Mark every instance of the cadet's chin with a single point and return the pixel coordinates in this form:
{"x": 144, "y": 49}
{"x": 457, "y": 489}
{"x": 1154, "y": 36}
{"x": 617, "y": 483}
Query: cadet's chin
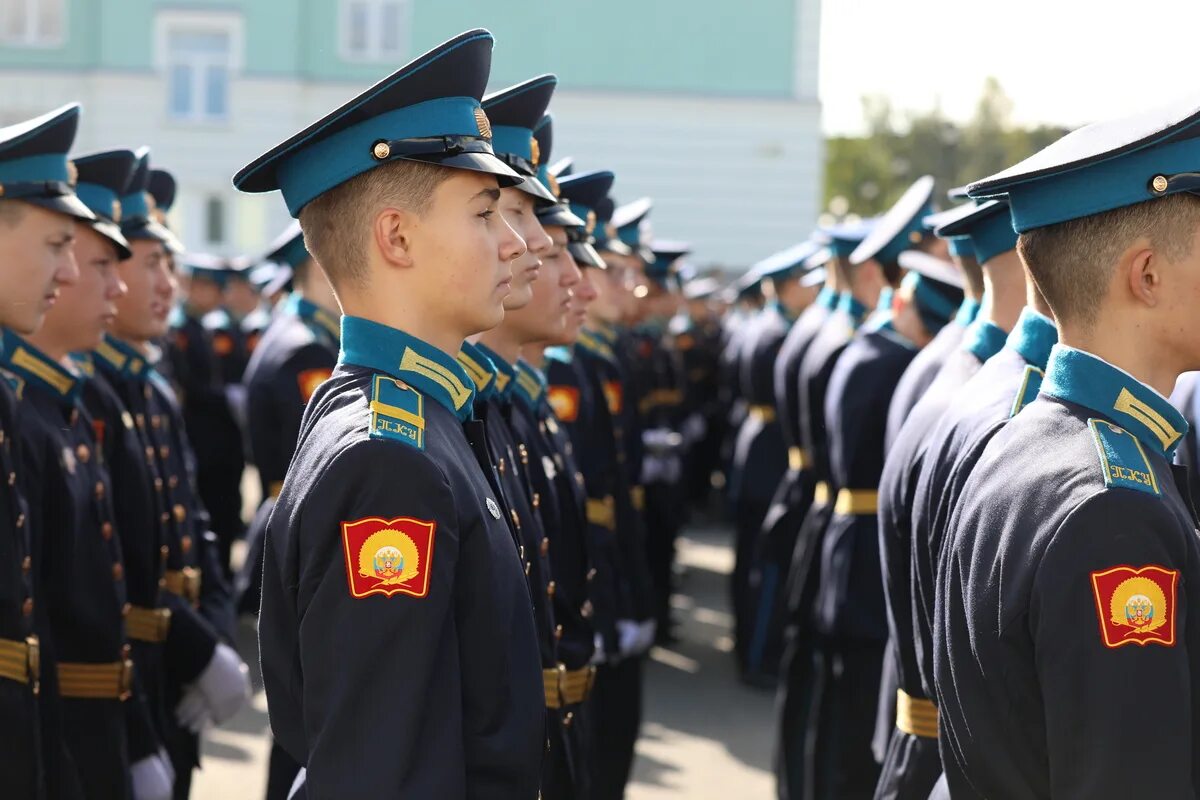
{"x": 518, "y": 296}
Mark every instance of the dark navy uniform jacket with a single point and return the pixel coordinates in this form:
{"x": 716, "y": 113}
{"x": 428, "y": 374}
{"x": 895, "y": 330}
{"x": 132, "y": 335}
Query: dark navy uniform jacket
{"x": 20, "y": 760}
{"x": 196, "y": 592}
{"x": 1003, "y": 386}
{"x": 896, "y": 489}
{"x": 925, "y": 368}
{"x": 138, "y": 515}
{"x": 760, "y": 454}
{"x": 815, "y": 369}
{"x": 415, "y": 676}
{"x": 229, "y": 345}
{"x": 196, "y": 371}
{"x": 80, "y": 575}
{"x": 296, "y": 354}
{"x": 849, "y": 600}
{"x": 1069, "y": 666}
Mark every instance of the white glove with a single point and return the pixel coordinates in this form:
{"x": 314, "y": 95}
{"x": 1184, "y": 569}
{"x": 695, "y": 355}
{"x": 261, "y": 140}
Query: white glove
{"x": 646, "y": 631}
{"x": 628, "y": 636}
{"x": 166, "y": 760}
{"x": 192, "y": 712}
{"x": 153, "y": 778}
{"x": 694, "y": 428}
{"x": 225, "y": 684}
{"x": 598, "y": 656}
{"x": 652, "y": 470}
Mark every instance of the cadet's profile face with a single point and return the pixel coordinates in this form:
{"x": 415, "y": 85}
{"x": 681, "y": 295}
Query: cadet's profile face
{"x": 608, "y": 284}
{"x": 582, "y": 295}
{"x": 87, "y": 307}
{"x": 545, "y": 318}
{"x": 204, "y": 295}
{"x": 37, "y": 259}
{"x": 517, "y": 208}
{"x": 241, "y": 297}
{"x": 143, "y": 311}
{"x": 465, "y": 249}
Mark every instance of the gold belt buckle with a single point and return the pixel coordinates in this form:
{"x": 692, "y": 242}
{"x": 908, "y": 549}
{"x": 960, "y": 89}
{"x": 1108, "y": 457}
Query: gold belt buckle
{"x": 191, "y": 584}
{"x": 126, "y": 685}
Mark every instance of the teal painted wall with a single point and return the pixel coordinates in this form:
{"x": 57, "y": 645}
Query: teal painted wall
{"x": 649, "y": 45}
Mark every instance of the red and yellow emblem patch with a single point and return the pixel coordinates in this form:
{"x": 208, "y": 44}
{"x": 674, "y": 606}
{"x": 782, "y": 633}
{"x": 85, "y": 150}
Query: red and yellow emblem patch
{"x": 310, "y": 379}
{"x": 388, "y": 556}
{"x": 222, "y": 344}
{"x": 565, "y": 402}
{"x": 614, "y": 396}
{"x": 1136, "y": 605}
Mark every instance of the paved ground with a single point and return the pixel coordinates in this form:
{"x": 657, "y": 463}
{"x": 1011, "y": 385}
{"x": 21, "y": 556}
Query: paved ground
{"x": 704, "y": 736}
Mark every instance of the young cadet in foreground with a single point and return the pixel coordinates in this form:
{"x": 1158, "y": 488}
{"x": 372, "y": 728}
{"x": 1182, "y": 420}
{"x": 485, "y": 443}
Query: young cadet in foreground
{"x": 397, "y": 637}
{"x": 39, "y": 214}
{"x": 1067, "y": 655}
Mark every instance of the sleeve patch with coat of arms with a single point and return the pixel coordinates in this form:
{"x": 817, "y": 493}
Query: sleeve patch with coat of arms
{"x": 1136, "y": 605}
{"x": 388, "y": 556}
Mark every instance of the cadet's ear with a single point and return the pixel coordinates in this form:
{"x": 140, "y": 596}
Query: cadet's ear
{"x": 1141, "y": 266}
{"x": 393, "y": 236}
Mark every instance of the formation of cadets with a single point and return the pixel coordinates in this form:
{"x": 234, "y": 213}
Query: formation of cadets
{"x": 481, "y": 400}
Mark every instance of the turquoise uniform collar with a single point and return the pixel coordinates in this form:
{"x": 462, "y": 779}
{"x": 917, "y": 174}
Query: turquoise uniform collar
{"x": 480, "y": 368}
{"x": 848, "y": 304}
{"x": 530, "y": 384}
{"x": 1082, "y": 378}
{"x": 36, "y": 368}
{"x": 984, "y": 339}
{"x": 506, "y": 374}
{"x": 312, "y": 313}
{"x": 559, "y": 353}
{"x": 967, "y": 312}
{"x": 780, "y": 309}
{"x": 1033, "y": 338}
{"x": 122, "y": 359}
{"x": 828, "y": 298}
{"x": 417, "y": 363}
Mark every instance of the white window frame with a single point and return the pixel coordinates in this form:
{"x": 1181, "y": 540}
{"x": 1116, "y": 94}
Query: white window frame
{"x": 227, "y": 23}
{"x": 374, "y": 52}
{"x": 32, "y": 37}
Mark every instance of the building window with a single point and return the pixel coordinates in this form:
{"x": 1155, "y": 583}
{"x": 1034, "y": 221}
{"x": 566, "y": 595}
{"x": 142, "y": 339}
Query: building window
{"x": 198, "y": 70}
{"x": 214, "y": 220}
{"x": 33, "y": 23}
{"x": 374, "y": 30}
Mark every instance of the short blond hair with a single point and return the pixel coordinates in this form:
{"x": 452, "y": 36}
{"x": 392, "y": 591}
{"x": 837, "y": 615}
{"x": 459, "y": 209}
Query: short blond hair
{"x": 1072, "y": 262}
{"x": 337, "y": 223}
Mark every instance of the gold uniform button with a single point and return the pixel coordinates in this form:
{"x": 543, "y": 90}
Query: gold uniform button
{"x": 173, "y": 481}
{"x": 99, "y": 490}
{"x": 83, "y": 453}
{"x": 516, "y": 519}
{"x": 180, "y": 512}
{"x": 165, "y": 518}
{"x": 164, "y": 451}
{"x": 158, "y": 484}
{"x": 537, "y": 499}
{"x": 558, "y": 630}
{"x": 140, "y": 420}
{"x": 185, "y": 544}
{"x": 156, "y": 422}
{"x": 26, "y": 564}
{"x": 27, "y": 606}
{"x": 545, "y": 545}
{"x": 568, "y": 719}
{"x": 118, "y": 572}
{"x": 591, "y": 575}
{"x": 550, "y": 589}
{"x": 74, "y": 416}
{"x": 149, "y": 454}
{"x": 106, "y": 530}
{"x": 20, "y": 520}
{"x": 125, "y": 610}
{"x": 12, "y": 479}
{"x": 527, "y": 566}
{"x": 500, "y": 466}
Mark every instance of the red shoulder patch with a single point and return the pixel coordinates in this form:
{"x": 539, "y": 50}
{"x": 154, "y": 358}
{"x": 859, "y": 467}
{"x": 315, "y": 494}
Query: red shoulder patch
{"x": 1136, "y": 606}
{"x": 388, "y": 556}
{"x": 565, "y": 402}
{"x": 308, "y": 380}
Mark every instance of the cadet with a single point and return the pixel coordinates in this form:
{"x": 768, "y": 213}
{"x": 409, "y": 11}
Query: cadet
{"x": 760, "y": 456}
{"x": 527, "y": 476}
{"x": 244, "y": 304}
{"x": 205, "y": 681}
{"x": 1099, "y": 550}
{"x": 38, "y": 221}
{"x": 588, "y": 392}
{"x": 928, "y": 363}
{"x": 859, "y": 287}
{"x": 911, "y": 765}
{"x": 697, "y": 333}
{"x": 848, "y": 607}
{"x": 82, "y": 313}
{"x": 417, "y": 670}
{"x": 207, "y": 354}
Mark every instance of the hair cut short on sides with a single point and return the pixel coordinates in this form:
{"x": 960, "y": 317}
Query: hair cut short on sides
{"x": 11, "y": 212}
{"x": 1072, "y": 262}
{"x": 337, "y": 224}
